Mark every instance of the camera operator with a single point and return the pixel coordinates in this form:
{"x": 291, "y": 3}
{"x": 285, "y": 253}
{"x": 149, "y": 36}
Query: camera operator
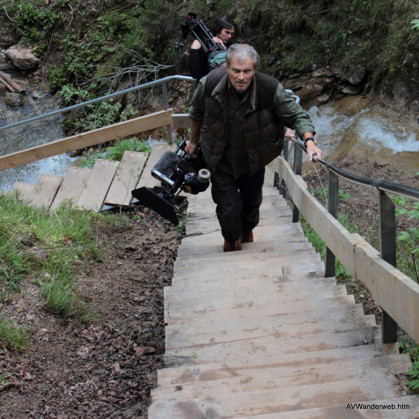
{"x": 198, "y": 59}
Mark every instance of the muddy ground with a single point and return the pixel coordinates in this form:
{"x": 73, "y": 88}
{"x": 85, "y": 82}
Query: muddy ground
{"x": 106, "y": 369}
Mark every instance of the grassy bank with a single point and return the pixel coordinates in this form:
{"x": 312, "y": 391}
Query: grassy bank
{"x": 47, "y": 249}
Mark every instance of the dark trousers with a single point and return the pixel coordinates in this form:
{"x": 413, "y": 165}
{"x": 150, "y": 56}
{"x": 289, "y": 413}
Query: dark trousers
{"x": 238, "y": 202}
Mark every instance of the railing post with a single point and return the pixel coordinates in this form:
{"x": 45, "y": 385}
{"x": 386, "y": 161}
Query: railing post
{"x": 332, "y": 206}
{"x": 166, "y": 106}
{"x": 298, "y": 164}
{"x": 388, "y": 253}
{"x": 280, "y": 183}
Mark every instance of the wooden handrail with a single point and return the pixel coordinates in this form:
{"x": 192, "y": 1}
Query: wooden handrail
{"x": 87, "y": 139}
{"x": 393, "y": 291}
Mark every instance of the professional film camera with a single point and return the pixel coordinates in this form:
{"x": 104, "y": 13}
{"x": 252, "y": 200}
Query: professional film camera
{"x": 215, "y": 51}
{"x": 177, "y": 171}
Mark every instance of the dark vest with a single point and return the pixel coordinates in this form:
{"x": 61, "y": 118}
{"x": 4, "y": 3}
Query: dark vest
{"x": 264, "y": 133}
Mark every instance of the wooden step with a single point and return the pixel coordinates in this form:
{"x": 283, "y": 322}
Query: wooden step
{"x": 272, "y": 280}
{"x": 242, "y": 310}
{"x": 224, "y": 271}
{"x": 126, "y": 178}
{"x": 243, "y": 328}
{"x": 231, "y": 404}
{"x": 97, "y": 185}
{"x": 405, "y": 407}
{"x": 146, "y": 178}
{"x": 72, "y": 186}
{"x": 229, "y": 297}
{"x": 41, "y": 194}
{"x": 208, "y": 253}
{"x": 268, "y": 347}
{"x": 269, "y": 377}
{"x": 268, "y": 232}
{"x": 292, "y": 370}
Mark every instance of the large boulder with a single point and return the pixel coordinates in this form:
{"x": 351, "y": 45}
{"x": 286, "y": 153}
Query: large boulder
{"x": 22, "y": 58}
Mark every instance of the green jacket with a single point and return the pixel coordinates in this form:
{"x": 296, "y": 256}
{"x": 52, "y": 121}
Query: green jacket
{"x": 269, "y": 109}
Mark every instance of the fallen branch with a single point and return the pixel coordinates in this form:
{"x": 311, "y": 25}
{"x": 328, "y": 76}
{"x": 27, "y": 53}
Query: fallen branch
{"x": 9, "y": 83}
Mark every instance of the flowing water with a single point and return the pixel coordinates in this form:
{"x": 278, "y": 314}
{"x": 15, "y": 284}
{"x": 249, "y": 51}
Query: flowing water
{"x": 345, "y": 130}
{"x": 29, "y": 135}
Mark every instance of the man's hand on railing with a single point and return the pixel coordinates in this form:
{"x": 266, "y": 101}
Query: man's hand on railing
{"x": 313, "y": 151}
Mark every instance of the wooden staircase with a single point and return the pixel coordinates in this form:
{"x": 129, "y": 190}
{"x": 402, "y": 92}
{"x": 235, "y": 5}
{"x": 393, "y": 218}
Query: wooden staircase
{"x": 261, "y": 333}
{"x": 107, "y": 183}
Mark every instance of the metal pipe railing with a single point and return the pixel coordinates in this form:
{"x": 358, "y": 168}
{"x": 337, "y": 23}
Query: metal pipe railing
{"x": 102, "y": 98}
{"x": 387, "y": 218}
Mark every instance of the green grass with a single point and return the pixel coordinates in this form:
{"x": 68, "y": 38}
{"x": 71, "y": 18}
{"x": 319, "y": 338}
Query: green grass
{"x": 48, "y": 247}
{"x": 13, "y": 336}
{"x": 116, "y": 151}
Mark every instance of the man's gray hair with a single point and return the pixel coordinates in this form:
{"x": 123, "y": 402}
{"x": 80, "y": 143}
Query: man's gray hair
{"x": 242, "y": 52}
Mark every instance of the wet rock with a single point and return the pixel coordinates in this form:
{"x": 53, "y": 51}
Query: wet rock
{"x": 5, "y": 63}
{"x": 357, "y": 76}
{"x": 351, "y": 90}
{"x": 13, "y": 100}
{"x": 22, "y": 57}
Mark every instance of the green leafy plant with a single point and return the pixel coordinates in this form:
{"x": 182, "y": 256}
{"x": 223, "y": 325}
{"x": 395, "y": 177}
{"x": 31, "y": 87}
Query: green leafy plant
{"x": 413, "y": 375}
{"x": 415, "y": 24}
{"x": 409, "y": 239}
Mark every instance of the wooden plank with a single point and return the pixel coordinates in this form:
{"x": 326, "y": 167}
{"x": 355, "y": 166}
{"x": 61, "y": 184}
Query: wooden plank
{"x": 348, "y": 317}
{"x": 233, "y": 404}
{"x": 126, "y": 178}
{"x": 25, "y": 191}
{"x": 269, "y": 377}
{"x": 407, "y": 407}
{"x": 396, "y": 293}
{"x": 97, "y": 185}
{"x": 71, "y": 187}
{"x": 146, "y": 178}
{"x": 245, "y": 310}
{"x": 181, "y": 120}
{"x": 87, "y": 139}
{"x": 392, "y": 290}
{"x": 41, "y": 194}
{"x": 301, "y": 367}
{"x": 288, "y": 404}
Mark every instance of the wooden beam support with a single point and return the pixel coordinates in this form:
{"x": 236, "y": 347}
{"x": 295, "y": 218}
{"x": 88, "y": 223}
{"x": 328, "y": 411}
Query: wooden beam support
{"x": 87, "y": 139}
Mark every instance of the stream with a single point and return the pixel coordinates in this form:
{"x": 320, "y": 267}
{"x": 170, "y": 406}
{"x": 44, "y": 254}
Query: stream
{"x": 29, "y": 135}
